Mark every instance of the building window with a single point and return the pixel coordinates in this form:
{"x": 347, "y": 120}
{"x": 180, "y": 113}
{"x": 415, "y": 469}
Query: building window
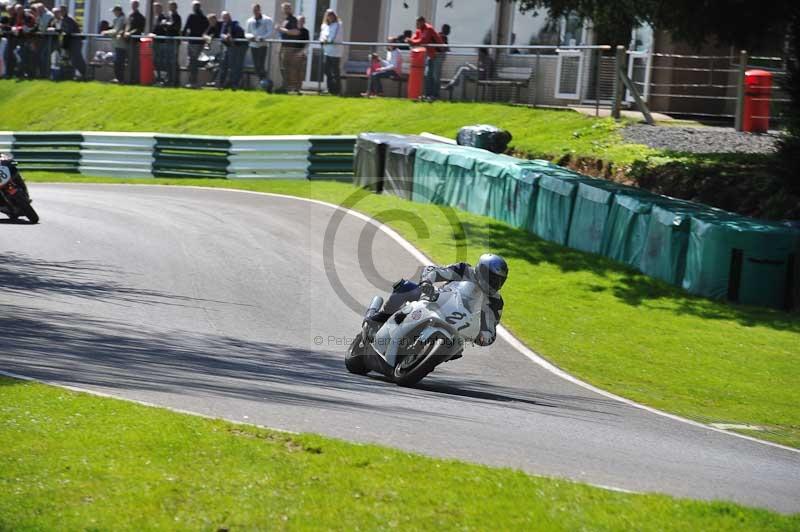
{"x": 402, "y": 16}
{"x": 471, "y": 21}
{"x": 534, "y": 28}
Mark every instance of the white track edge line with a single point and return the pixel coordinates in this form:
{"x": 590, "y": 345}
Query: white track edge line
{"x": 504, "y": 333}
{"x": 105, "y": 395}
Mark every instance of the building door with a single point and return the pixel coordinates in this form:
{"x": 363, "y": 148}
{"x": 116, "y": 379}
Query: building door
{"x": 314, "y": 11}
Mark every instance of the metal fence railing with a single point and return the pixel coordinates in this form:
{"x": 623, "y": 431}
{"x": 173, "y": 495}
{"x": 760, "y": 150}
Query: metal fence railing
{"x": 706, "y": 87}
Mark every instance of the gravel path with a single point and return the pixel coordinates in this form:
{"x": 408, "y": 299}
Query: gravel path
{"x": 701, "y": 139}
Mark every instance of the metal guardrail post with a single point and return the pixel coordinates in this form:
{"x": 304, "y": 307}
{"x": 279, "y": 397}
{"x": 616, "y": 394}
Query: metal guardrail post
{"x": 321, "y": 73}
{"x": 599, "y": 54}
{"x": 619, "y": 64}
{"x": 740, "y": 90}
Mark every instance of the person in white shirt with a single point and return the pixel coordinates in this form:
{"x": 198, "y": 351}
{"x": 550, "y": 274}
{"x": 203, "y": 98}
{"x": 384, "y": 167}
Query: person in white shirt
{"x": 44, "y": 18}
{"x": 391, "y": 67}
{"x": 259, "y": 28}
{"x": 330, "y": 35}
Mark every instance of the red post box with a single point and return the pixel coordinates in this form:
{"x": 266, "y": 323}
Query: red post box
{"x": 416, "y": 73}
{"x": 145, "y": 61}
{"x": 757, "y": 93}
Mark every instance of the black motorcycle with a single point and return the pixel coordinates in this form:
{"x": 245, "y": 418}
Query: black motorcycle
{"x": 14, "y": 198}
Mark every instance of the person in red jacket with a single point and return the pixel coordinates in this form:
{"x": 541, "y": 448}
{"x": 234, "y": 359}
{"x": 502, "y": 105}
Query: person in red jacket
{"x": 426, "y": 34}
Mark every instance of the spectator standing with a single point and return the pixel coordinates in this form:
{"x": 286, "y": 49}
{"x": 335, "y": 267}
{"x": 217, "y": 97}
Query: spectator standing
{"x": 424, "y": 36}
{"x": 230, "y": 71}
{"x": 25, "y": 30}
{"x": 291, "y": 53}
{"x": 213, "y": 47}
{"x": 259, "y": 29}
{"x": 120, "y": 45}
{"x": 159, "y": 29}
{"x": 391, "y": 67}
{"x": 330, "y": 36}
{"x": 5, "y": 27}
{"x": 196, "y": 25}
{"x": 45, "y": 40}
{"x": 133, "y": 31}
{"x": 69, "y": 29}
{"x": 172, "y": 27}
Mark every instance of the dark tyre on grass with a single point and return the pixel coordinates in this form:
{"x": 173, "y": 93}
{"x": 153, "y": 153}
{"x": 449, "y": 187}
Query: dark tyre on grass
{"x": 354, "y": 360}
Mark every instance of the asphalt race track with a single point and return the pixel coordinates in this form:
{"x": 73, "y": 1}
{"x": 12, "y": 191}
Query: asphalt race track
{"x": 218, "y": 302}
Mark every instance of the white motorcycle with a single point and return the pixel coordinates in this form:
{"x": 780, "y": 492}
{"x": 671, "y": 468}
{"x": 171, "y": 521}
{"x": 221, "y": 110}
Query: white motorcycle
{"x": 415, "y": 332}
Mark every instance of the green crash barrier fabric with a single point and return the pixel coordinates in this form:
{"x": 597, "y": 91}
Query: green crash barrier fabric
{"x": 554, "y": 203}
{"x": 628, "y": 221}
{"x": 430, "y": 172}
{"x": 514, "y": 200}
{"x": 742, "y": 260}
{"x": 398, "y": 167}
{"x": 667, "y": 240}
{"x": 590, "y": 213}
{"x": 488, "y": 178}
{"x": 369, "y": 159}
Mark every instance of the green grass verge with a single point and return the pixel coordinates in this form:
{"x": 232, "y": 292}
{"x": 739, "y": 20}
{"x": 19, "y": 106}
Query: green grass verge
{"x": 70, "y": 106}
{"x": 72, "y": 461}
{"x": 605, "y": 323}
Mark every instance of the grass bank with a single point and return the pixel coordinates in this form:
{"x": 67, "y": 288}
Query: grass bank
{"x": 604, "y": 322}
{"x": 70, "y": 106}
{"x": 74, "y": 461}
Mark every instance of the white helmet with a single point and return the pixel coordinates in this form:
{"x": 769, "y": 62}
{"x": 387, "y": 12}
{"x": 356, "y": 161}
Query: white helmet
{"x": 491, "y": 271}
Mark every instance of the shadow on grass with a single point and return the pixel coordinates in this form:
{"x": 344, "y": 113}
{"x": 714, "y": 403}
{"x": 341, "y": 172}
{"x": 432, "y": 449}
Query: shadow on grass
{"x": 626, "y": 284}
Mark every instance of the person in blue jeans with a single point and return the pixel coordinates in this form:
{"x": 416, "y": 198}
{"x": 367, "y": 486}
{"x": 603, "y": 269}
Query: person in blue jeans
{"x": 391, "y": 67}
{"x": 230, "y": 70}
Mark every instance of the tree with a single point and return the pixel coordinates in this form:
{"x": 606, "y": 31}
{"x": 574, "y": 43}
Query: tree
{"x": 744, "y": 23}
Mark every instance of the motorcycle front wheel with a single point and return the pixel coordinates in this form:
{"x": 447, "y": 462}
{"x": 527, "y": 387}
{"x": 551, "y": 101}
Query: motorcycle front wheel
{"x": 415, "y": 367}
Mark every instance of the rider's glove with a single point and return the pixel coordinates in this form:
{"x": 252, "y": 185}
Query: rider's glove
{"x": 427, "y": 289}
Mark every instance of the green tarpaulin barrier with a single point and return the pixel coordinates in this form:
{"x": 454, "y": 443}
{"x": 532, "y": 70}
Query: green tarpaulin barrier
{"x": 398, "y": 168}
{"x": 515, "y": 201}
{"x": 626, "y": 229}
{"x": 489, "y": 179}
{"x": 460, "y": 182}
{"x": 369, "y": 157}
{"x": 554, "y": 204}
{"x": 431, "y": 173}
{"x": 590, "y": 213}
{"x": 743, "y": 260}
{"x": 667, "y": 240}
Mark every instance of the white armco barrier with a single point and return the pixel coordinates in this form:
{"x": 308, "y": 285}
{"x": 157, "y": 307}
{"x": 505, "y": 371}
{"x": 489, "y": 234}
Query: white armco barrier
{"x": 117, "y": 154}
{"x": 6, "y": 141}
{"x": 281, "y": 157}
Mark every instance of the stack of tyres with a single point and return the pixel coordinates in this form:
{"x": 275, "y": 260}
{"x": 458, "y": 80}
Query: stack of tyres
{"x": 369, "y": 157}
{"x": 485, "y": 137}
{"x": 593, "y": 201}
{"x": 517, "y": 199}
{"x": 398, "y": 167}
{"x": 667, "y": 241}
{"x": 742, "y": 260}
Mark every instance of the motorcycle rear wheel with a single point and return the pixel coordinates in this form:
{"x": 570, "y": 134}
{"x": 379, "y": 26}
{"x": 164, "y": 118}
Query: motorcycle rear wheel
{"x": 424, "y": 363}
{"x": 29, "y": 213}
{"x": 354, "y": 359}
